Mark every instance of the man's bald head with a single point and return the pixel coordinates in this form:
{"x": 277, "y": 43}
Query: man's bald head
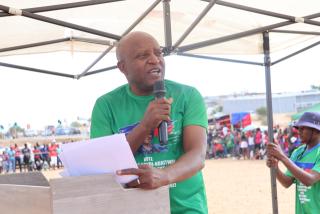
{"x": 126, "y": 43}
{"x": 140, "y": 59}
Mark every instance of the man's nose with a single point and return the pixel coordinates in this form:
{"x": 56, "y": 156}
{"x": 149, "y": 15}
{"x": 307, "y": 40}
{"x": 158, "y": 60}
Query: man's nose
{"x": 154, "y": 59}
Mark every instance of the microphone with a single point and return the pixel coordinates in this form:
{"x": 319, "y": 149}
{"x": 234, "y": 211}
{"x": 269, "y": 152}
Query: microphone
{"x": 159, "y": 92}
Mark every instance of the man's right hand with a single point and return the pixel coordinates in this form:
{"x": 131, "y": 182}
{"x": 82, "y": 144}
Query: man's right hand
{"x": 148, "y": 177}
{"x": 157, "y": 111}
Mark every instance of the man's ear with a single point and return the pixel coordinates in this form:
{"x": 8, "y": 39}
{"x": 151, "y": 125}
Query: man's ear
{"x": 121, "y": 67}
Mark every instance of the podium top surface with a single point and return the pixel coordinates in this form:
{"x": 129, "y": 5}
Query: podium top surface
{"x": 30, "y": 179}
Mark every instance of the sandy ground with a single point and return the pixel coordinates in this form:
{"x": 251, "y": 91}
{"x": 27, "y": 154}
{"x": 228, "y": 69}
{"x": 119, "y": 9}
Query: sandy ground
{"x": 239, "y": 186}
{"x": 242, "y": 187}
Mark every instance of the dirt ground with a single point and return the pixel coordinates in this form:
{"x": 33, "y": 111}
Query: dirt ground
{"x": 239, "y": 186}
{"x": 242, "y": 187}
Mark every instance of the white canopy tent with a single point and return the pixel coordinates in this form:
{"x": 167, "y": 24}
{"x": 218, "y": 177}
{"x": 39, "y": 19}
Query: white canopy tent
{"x": 196, "y": 28}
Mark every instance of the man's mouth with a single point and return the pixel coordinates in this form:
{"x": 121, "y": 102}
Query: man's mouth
{"x": 155, "y": 71}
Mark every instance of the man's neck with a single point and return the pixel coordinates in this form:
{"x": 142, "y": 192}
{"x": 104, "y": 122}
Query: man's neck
{"x": 313, "y": 144}
{"x": 139, "y": 92}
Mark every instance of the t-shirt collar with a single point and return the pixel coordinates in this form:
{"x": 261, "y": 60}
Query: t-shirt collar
{"x": 131, "y": 94}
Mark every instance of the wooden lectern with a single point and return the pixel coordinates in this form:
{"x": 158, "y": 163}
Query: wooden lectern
{"x": 95, "y": 194}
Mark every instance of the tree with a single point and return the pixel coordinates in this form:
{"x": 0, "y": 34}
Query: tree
{"x": 262, "y": 114}
{"x": 219, "y": 108}
{"x": 262, "y": 111}
{"x": 15, "y": 129}
{"x": 215, "y": 109}
{"x": 75, "y": 124}
{"x": 2, "y": 132}
{"x": 314, "y": 87}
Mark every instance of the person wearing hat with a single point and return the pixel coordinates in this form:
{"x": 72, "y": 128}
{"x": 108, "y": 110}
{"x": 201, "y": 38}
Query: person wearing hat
{"x": 303, "y": 167}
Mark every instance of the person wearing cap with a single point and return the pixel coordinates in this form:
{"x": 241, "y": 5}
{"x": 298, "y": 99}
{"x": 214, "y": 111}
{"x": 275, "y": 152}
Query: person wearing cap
{"x": 303, "y": 167}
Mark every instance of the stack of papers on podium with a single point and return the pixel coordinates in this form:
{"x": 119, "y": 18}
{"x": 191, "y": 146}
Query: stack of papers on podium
{"x": 97, "y": 156}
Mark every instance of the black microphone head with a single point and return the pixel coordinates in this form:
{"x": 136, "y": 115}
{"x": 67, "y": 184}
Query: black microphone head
{"x": 159, "y": 90}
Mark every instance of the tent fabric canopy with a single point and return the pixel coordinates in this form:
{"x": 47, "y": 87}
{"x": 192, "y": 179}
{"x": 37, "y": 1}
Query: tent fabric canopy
{"x": 204, "y": 27}
{"x": 221, "y": 19}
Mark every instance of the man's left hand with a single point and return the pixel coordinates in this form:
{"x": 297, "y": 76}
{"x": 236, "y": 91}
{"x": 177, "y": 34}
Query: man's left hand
{"x": 148, "y": 177}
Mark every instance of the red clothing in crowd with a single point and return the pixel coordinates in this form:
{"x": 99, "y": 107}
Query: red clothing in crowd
{"x": 53, "y": 150}
{"x": 17, "y": 152}
{"x": 36, "y": 153}
{"x": 258, "y": 137}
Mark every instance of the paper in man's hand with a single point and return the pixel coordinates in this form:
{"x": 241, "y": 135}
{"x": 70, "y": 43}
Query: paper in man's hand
{"x": 100, "y": 155}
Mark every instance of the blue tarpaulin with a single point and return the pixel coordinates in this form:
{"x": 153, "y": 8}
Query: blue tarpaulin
{"x": 237, "y": 117}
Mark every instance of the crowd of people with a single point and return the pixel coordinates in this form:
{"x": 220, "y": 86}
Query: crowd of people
{"x": 30, "y": 158}
{"x": 238, "y": 144}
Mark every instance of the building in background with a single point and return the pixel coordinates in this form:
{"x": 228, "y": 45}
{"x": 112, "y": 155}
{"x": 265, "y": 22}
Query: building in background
{"x": 281, "y": 103}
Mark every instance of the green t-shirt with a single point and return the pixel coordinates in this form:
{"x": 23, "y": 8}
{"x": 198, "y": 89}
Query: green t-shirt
{"x": 119, "y": 111}
{"x": 307, "y": 198}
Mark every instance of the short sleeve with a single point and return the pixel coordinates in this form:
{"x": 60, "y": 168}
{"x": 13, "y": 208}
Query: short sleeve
{"x": 100, "y": 120}
{"x": 293, "y": 158}
{"x": 195, "y": 112}
{"x": 316, "y": 166}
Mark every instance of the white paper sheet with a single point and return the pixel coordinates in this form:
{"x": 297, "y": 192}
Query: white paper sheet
{"x": 99, "y": 155}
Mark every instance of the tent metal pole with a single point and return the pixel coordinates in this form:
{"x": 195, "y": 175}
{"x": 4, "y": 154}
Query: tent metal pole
{"x": 241, "y": 34}
{"x": 254, "y": 10}
{"x": 133, "y": 25}
{"x": 265, "y": 12}
{"x": 63, "y": 6}
{"x": 297, "y": 52}
{"x": 94, "y": 62}
{"x": 268, "y": 13}
{"x": 141, "y": 17}
{"x": 195, "y": 23}
{"x": 312, "y": 16}
{"x": 220, "y": 59}
{"x": 167, "y": 26}
{"x": 296, "y": 32}
{"x": 93, "y": 41}
{"x": 232, "y": 36}
{"x": 64, "y": 24}
{"x": 311, "y": 22}
{"x": 34, "y": 44}
{"x": 101, "y": 70}
{"x": 36, "y": 70}
{"x": 267, "y": 62}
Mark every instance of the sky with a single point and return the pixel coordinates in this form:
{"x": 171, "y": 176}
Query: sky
{"x": 41, "y": 99}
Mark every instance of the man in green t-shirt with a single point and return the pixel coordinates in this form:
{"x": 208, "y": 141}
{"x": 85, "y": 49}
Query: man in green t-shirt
{"x": 303, "y": 167}
{"x": 133, "y": 110}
